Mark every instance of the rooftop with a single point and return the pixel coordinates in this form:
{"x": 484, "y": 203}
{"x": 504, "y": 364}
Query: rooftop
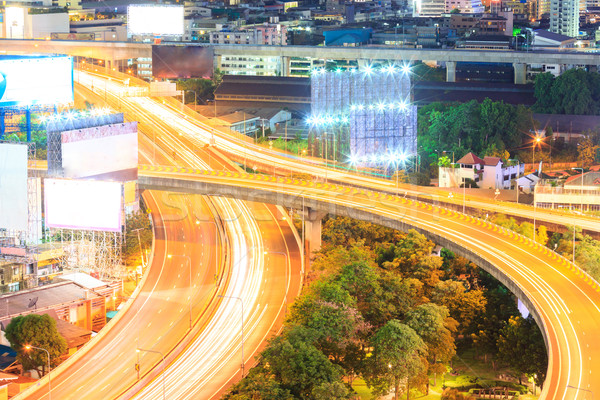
{"x": 568, "y": 123}
{"x": 266, "y": 86}
{"x": 551, "y": 35}
{"x": 470, "y": 159}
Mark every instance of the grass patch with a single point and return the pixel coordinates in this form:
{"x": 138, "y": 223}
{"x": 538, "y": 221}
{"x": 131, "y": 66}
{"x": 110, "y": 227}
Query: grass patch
{"x": 361, "y": 388}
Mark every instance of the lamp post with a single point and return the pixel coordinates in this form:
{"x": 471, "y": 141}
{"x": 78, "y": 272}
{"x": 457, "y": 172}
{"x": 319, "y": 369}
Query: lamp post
{"x": 242, "y": 303}
{"x": 195, "y": 96}
{"x": 29, "y": 347}
{"x": 169, "y": 256}
{"x": 537, "y": 140}
{"x": 581, "y": 202}
{"x": 286, "y": 274}
{"x": 163, "y": 366}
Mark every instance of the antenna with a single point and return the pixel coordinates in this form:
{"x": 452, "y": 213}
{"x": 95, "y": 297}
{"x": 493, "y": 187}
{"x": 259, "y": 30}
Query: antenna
{"x": 33, "y": 303}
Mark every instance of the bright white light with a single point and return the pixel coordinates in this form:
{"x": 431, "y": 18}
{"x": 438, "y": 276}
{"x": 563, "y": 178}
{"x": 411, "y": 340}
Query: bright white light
{"x": 368, "y": 69}
{"x": 155, "y": 20}
{"x": 36, "y": 80}
{"x": 81, "y": 204}
{"x": 402, "y": 106}
{"x": 361, "y": 107}
{"x": 406, "y": 68}
{"x": 381, "y": 106}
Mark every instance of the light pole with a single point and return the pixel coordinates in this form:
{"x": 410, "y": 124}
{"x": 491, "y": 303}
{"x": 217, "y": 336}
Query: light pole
{"x": 195, "y": 97}
{"x": 169, "y": 256}
{"x": 163, "y": 366}
{"x": 286, "y": 273}
{"x": 537, "y": 140}
{"x": 29, "y": 347}
{"x": 242, "y": 303}
{"x": 581, "y": 202}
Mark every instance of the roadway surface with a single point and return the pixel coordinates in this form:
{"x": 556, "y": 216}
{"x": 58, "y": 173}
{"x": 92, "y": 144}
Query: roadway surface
{"x": 217, "y": 247}
{"x": 564, "y": 300}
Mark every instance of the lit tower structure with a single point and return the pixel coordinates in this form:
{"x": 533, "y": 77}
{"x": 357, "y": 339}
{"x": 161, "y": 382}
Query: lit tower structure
{"x": 369, "y": 111}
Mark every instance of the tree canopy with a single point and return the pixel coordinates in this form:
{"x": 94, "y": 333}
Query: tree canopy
{"x": 575, "y": 91}
{"x": 39, "y": 331}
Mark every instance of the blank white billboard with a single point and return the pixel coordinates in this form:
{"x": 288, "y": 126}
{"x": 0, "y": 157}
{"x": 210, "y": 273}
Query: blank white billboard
{"x": 105, "y": 152}
{"x": 83, "y": 204}
{"x": 13, "y": 186}
{"x": 155, "y": 20}
{"x": 27, "y": 80}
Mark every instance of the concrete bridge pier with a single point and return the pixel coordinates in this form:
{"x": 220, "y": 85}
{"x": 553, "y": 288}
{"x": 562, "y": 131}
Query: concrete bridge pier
{"x": 285, "y": 65}
{"x": 520, "y": 73}
{"x": 450, "y": 71}
{"x": 312, "y": 226}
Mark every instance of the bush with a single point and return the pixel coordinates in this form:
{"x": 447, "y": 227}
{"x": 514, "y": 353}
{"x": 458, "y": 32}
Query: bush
{"x": 453, "y": 394}
{"x": 463, "y": 383}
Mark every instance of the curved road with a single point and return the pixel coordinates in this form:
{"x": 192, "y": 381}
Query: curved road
{"x": 564, "y": 299}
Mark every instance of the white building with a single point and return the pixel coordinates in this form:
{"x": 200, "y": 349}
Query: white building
{"x": 465, "y": 6}
{"x": 429, "y": 8}
{"x": 18, "y": 23}
{"x": 487, "y": 173}
{"x": 564, "y": 17}
{"x": 269, "y": 34}
{"x": 581, "y": 190}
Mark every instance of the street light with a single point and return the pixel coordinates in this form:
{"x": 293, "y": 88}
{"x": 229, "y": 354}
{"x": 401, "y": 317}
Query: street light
{"x": 286, "y": 273}
{"x": 29, "y": 347}
{"x": 537, "y": 140}
{"x": 169, "y": 256}
{"x": 163, "y": 366}
{"x": 581, "y": 202}
{"x": 242, "y": 303}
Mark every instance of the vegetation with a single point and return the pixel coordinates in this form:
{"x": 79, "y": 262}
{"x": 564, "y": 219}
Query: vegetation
{"x": 576, "y": 91}
{"x": 587, "y": 249}
{"x": 381, "y": 307}
{"x": 138, "y": 237}
{"x": 197, "y": 90}
{"x": 489, "y": 128}
{"x": 39, "y": 331}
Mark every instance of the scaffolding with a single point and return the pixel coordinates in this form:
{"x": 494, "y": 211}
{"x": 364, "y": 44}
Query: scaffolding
{"x": 368, "y": 111}
{"x": 97, "y": 253}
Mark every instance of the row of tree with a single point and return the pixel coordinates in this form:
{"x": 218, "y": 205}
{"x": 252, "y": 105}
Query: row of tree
{"x": 576, "y": 91}
{"x": 382, "y": 307}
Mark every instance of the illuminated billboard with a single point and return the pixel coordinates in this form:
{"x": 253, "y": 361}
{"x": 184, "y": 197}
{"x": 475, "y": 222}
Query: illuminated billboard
{"x": 15, "y": 22}
{"x": 83, "y": 204}
{"x": 102, "y": 152}
{"x": 164, "y": 20}
{"x": 177, "y": 62}
{"x": 35, "y": 80}
{"x": 13, "y": 186}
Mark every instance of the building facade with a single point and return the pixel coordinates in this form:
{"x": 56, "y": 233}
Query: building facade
{"x": 564, "y": 17}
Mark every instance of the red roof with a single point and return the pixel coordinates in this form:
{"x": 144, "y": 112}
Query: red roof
{"x": 493, "y": 161}
{"x": 471, "y": 159}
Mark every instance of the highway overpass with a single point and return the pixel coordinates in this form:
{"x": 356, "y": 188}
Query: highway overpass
{"x": 563, "y": 299}
{"x": 112, "y": 52}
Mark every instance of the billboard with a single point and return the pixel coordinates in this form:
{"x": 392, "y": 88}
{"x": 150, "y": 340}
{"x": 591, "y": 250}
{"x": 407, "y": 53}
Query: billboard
{"x": 15, "y": 22}
{"x": 178, "y": 62}
{"x": 13, "y": 186}
{"x": 35, "y": 80}
{"x": 164, "y": 20}
{"x": 83, "y": 204}
{"x": 102, "y": 152}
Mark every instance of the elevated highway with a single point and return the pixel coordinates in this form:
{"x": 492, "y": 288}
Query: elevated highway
{"x": 563, "y": 299}
{"x": 112, "y": 52}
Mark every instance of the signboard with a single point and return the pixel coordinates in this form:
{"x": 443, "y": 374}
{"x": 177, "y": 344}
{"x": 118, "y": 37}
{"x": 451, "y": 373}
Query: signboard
{"x": 83, "y": 204}
{"x": 166, "y": 20}
{"x": 35, "y": 80}
{"x": 13, "y": 186}
{"x": 176, "y": 62}
{"x": 105, "y": 152}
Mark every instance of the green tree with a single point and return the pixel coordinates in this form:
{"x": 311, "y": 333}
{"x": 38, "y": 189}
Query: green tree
{"x": 39, "y": 331}
{"x": 463, "y": 305}
{"x": 543, "y": 92}
{"x": 433, "y": 324}
{"x": 258, "y": 385}
{"x": 521, "y": 345}
{"x": 398, "y": 356}
{"x": 138, "y": 237}
{"x": 586, "y": 152}
{"x": 297, "y": 364}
